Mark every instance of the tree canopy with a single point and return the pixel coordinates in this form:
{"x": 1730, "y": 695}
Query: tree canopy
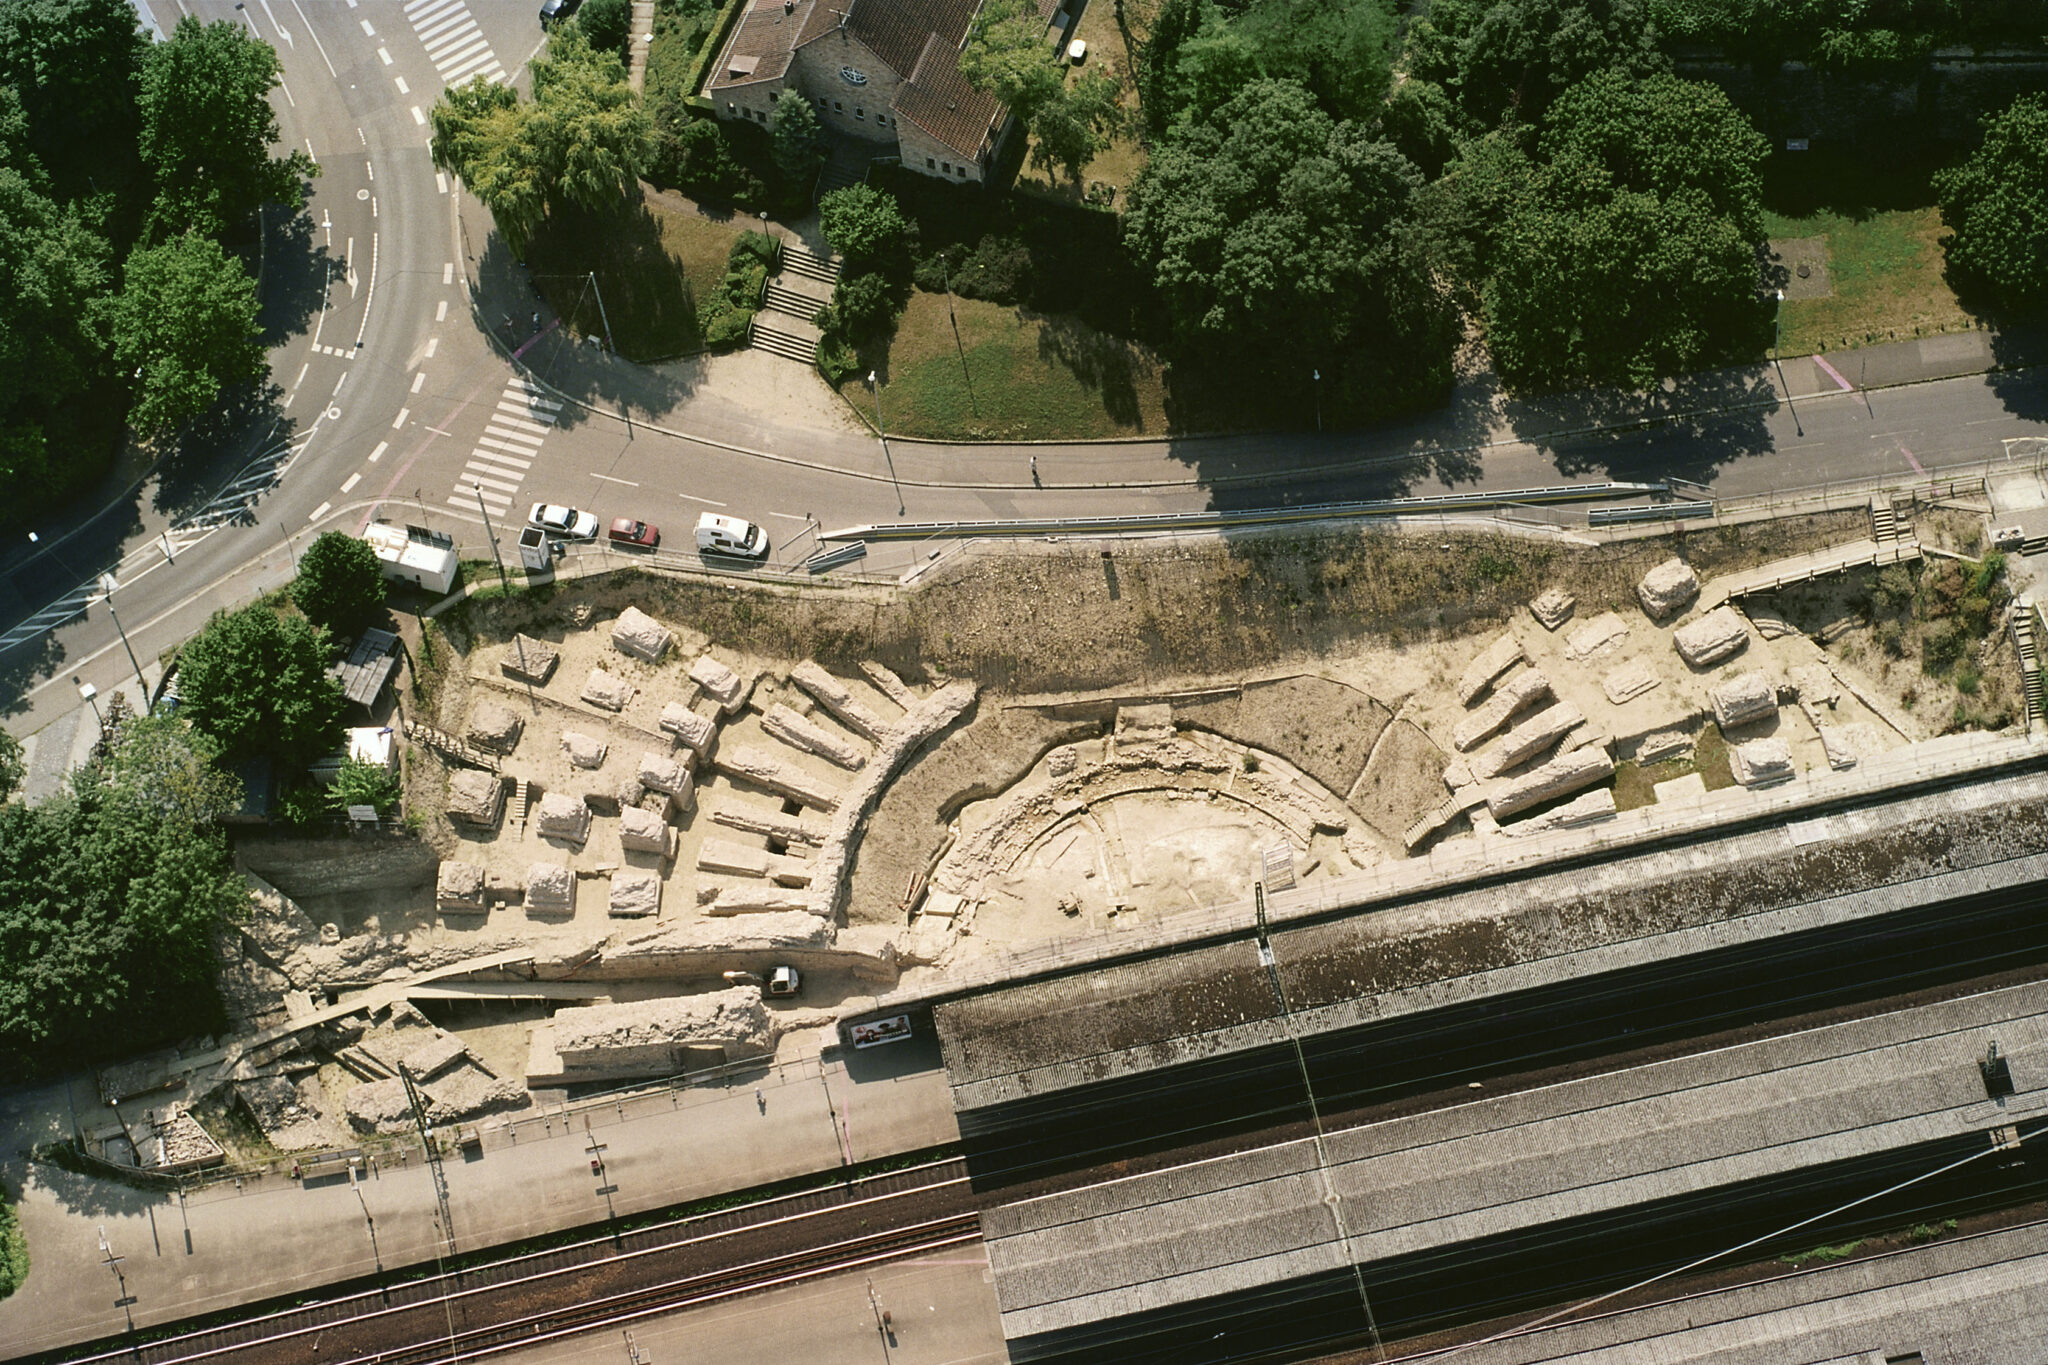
{"x": 1006, "y": 54}
{"x": 1276, "y": 236}
{"x": 185, "y": 325}
{"x": 798, "y": 138}
{"x": 340, "y": 585}
{"x": 1199, "y": 54}
{"x": 207, "y": 126}
{"x": 109, "y": 898}
{"x": 1072, "y": 127}
{"x": 1500, "y": 57}
{"x": 583, "y": 140}
{"x": 866, "y": 226}
{"x": 1633, "y": 254}
{"x": 256, "y": 682}
{"x": 76, "y": 67}
{"x": 1996, "y": 200}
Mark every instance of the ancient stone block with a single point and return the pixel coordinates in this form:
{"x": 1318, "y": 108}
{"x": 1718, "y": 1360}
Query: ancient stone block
{"x": 494, "y": 727}
{"x": 1527, "y": 739}
{"x": 1561, "y": 776}
{"x": 1628, "y": 682}
{"x": 378, "y": 1107}
{"x": 1760, "y": 762}
{"x": 459, "y": 886}
{"x": 1718, "y": 635}
{"x": 791, "y": 829}
{"x": 1668, "y": 588}
{"x": 892, "y": 687}
{"x": 529, "y": 660}
{"x": 1496, "y": 659}
{"x": 1511, "y": 696}
{"x": 1598, "y": 637}
{"x": 659, "y": 772}
{"x": 755, "y": 898}
{"x": 689, "y": 728}
{"x": 640, "y": 635}
{"x": 787, "y": 871}
{"x": 435, "y": 1056}
{"x": 801, "y": 732}
{"x": 642, "y": 831}
{"x": 1552, "y": 607}
{"x": 1143, "y": 723}
{"x": 636, "y": 894}
{"x": 833, "y": 695}
{"x": 648, "y": 1036}
{"x": 476, "y": 797}
{"x": 749, "y": 764}
{"x": 1816, "y": 686}
{"x": 550, "y": 888}
{"x": 1836, "y": 744}
{"x": 720, "y": 683}
{"x": 604, "y": 690}
{"x": 1744, "y": 698}
{"x": 562, "y": 816}
{"x": 585, "y": 751}
{"x": 1583, "y": 809}
{"x": 1062, "y": 761}
{"x": 723, "y": 855}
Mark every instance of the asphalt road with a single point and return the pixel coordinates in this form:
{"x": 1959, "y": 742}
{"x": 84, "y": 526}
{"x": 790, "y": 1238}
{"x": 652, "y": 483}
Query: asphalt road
{"x": 385, "y": 392}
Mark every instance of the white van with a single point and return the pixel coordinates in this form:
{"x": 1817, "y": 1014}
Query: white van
{"x": 730, "y": 536}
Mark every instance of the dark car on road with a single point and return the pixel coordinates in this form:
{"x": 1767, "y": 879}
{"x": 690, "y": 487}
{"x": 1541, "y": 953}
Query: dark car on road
{"x": 551, "y": 10}
{"x": 628, "y": 534}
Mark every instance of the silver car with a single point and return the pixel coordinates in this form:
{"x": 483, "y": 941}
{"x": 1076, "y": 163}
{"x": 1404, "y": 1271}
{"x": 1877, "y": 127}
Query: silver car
{"x": 565, "y": 523}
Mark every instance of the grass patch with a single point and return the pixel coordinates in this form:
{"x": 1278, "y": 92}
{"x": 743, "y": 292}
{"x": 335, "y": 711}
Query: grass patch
{"x": 654, "y": 263}
{"x": 1025, "y": 377}
{"x": 1635, "y": 784}
{"x": 1117, "y": 165}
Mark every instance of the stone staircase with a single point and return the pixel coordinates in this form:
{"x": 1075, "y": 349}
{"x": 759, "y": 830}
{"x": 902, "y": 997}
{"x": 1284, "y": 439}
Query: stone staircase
{"x": 792, "y": 297}
{"x": 637, "y": 45}
{"x": 1887, "y": 522}
{"x": 790, "y": 345}
{"x": 449, "y": 746}
{"x": 848, "y": 166}
{"x": 2022, "y": 625}
{"x": 782, "y": 299}
{"x": 797, "y": 260}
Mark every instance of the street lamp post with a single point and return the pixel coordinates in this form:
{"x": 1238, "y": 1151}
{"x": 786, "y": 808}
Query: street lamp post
{"x": 503, "y": 582}
{"x": 1778, "y": 359}
{"x": 876, "y": 384}
{"x": 91, "y": 695}
{"x": 107, "y": 586}
{"x": 1317, "y": 375}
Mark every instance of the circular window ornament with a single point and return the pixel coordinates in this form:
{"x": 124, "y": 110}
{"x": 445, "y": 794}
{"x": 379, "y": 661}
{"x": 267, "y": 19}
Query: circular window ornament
{"x": 853, "y": 75}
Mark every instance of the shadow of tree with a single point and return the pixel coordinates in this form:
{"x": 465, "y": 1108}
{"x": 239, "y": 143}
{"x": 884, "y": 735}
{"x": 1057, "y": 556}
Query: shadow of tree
{"x": 1105, "y": 364}
{"x": 642, "y": 291}
{"x": 296, "y": 274}
{"x": 1701, "y": 422}
{"x": 25, "y": 666}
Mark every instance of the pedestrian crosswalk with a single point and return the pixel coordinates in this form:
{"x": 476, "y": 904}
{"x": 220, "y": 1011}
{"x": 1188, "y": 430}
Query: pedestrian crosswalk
{"x": 454, "y": 43}
{"x": 507, "y": 449}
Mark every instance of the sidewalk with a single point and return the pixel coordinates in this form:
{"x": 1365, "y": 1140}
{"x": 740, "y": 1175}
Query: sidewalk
{"x": 231, "y": 1244}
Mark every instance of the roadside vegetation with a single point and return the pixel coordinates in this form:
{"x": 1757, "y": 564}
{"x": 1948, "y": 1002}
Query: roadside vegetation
{"x": 13, "y": 1247}
{"x": 131, "y": 177}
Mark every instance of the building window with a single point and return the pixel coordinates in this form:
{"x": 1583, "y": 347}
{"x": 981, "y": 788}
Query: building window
{"x": 821, "y": 104}
{"x": 930, "y": 164}
{"x": 859, "y": 112}
{"x": 963, "y": 172}
{"x": 947, "y": 168}
{"x": 730, "y": 106}
{"x": 837, "y": 107}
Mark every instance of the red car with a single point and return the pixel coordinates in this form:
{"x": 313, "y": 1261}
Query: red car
{"x": 634, "y": 535}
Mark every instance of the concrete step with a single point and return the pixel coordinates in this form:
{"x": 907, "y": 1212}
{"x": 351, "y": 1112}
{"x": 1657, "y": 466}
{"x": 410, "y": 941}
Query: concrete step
{"x": 797, "y": 261}
{"x": 796, "y": 348}
{"x": 789, "y": 301}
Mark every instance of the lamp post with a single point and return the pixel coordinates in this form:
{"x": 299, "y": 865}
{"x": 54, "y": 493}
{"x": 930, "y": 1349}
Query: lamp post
{"x": 91, "y": 695}
{"x": 1778, "y": 359}
{"x": 503, "y": 583}
{"x": 876, "y": 384}
{"x": 1317, "y": 375}
{"x": 107, "y": 586}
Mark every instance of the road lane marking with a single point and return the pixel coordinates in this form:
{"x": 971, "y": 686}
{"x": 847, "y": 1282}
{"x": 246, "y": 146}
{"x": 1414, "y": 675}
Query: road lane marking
{"x": 791, "y": 516}
{"x": 385, "y": 54}
{"x": 319, "y": 512}
{"x": 351, "y": 481}
{"x": 694, "y": 498}
{"x": 417, "y": 116}
{"x": 454, "y": 43}
{"x": 509, "y": 461}
{"x": 378, "y": 453}
{"x": 609, "y": 479}
{"x": 338, "y": 383}
{"x": 399, "y": 421}
{"x": 368, "y": 32}
{"x": 441, "y": 182}
{"x": 483, "y": 476}
{"x": 418, "y": 379}
{"x": 441, "y": 311}
{"x": 447, "y": 272}
{"x": 403, "y": 88}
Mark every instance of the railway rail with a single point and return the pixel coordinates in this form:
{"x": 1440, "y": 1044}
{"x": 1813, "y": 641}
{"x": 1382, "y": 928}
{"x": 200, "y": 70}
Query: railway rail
{"x": 686, "y": 1260}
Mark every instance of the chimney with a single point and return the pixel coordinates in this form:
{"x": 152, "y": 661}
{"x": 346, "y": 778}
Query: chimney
{"x": 789, "y": 6}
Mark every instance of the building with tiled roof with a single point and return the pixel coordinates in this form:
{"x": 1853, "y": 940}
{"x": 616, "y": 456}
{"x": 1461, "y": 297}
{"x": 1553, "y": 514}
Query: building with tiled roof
{"x": 885, "y": 71}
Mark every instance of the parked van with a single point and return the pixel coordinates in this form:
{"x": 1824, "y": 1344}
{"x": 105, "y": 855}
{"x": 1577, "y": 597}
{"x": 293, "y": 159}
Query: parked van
{"x": 730, "y": 536}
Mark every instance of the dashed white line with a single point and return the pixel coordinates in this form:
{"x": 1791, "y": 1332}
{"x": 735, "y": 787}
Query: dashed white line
{"x": 441, "y": 311}
{"x": 319, "y": 512}
{"x": 418, "y": 379}
{"x": 302, "y": 374}
{"x": 447, "y": 272}
{"x": 399, "y": 421}
{"x": 385, "y": 55}
{"x": 378, "y": 453}
{"x": 403, "y": 88}
{"x": 417, "y": 116}
{"x": 351, "y": 481}
{"x": 694, "y": 498}
{"x": 441, "y": 182}
{"x": 433, "y": 344}
{"x": 609, "y": 479}
{"x": 339, "y": 382}
{"x": 368, "y": 32}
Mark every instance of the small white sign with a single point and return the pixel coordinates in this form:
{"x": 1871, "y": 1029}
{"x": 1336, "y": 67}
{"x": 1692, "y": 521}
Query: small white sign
{"x": 1795, "y": 144}
{"x": 365, "y": 815}
{"x": 875, "y": 1032}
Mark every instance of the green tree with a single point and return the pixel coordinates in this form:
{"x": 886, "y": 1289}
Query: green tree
{"x": 1006, "y": 54}
{"x": 1342, "y": 50}
{"x": 364, "y": 784}
{"x": 1420, "y": 119}
{"x": 75, "y": 64}
{"x": 13, "y": 1247}
{"x": 584, "y": 139}
{"x": 165, "y": 770}
{"x": 185, "y": 325}
{"x": 1515, "y": 56}
{"x": 608, "y": 24}
{"x": 340, "y": 585}
{"x": 1212, "y": 66}
{"x": 1275, "y": 236}
{"x": 798, "y": 139}
{"x": 864, "y": 225}
{"x": 55, "y": 273}
{"x": 1075, "y": 125}
{"x": 207, "y": 126}
{"x": 12, "y": 770}
{"x": 256, "y": 682}
{"x": 1996, "y": 201}
{"x": 1633, "y": 256}
{"x": 1157, "y": 62}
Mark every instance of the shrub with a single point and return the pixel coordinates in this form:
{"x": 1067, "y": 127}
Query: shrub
{"x": 935, "y": 272}
{"x": 863, "y": 306}
{"x": 866, "y": 226}
{"x": 365, "y": 784}
{"x": 13, "y": 1248}
{"x": 836, "y": 360}
{"x": 999, "y": 270}
{"x": 1891, "y": 638}
{"x": 698, "y": 159}
{"x": 757, "y": 247}
{"x": 608, "y": 24}
{"x": 1968, "y": 680}
{"x": 726, "y": 329}
{"x": 1942, "y": 645}
{"x": 1893, "y": 588}
{"x": 340, "y": 585}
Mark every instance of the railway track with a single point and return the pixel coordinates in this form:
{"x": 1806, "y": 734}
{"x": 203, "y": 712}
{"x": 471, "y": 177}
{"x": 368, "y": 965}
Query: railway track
{"x": 696, "y": 1259}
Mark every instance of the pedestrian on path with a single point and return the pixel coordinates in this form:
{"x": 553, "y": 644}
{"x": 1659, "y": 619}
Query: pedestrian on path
{"x": 760, "y": 1099}
{"x": 1034, "y": 471}
{"x": 536, "y": 322}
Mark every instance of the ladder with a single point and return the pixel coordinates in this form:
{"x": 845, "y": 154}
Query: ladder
{"x": 522, "y": 803}
{"x": 2030, "y": 662}
{"x": 1884, "y": 521}
{"x": 449, "y": 746}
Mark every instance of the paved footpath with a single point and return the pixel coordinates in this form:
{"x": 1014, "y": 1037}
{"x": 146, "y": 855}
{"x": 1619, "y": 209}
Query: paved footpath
{"x": 229, "y": 1245}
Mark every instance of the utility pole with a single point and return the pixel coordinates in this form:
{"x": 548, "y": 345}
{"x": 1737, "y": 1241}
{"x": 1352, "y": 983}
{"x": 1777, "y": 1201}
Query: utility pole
{"x": 1778, "y": 359}
{"x": 503, "y": 583}
{"x": 876, "y": 384}
{"x": 883, "y": 1326}
{"x": 1317, "y": 375}
{"x": 602, "y": 315}
{"x": 368, "y": 1221}
{"x": 126, "y": 1302}
{"x": 597, "y": 1150}
{"x": 107, "y": 586}
{"x": 426, "y": 1130}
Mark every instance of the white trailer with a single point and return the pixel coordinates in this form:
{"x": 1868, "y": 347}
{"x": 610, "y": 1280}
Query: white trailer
{"x": 414, "y": 554}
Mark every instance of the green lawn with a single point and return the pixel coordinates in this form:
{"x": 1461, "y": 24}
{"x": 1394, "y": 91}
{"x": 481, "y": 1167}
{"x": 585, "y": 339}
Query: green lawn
{"x": 1118, "y": 165}
{"x": 1025, "y": 377}
{"x": 1886, "y": 268}
{"x": 654, "y": 266}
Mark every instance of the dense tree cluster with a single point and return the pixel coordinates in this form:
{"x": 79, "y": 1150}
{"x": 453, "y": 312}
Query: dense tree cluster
{"x": 1996, "y": 199}
{"x": 582, "y": 140}
{"x": 122, "y": 166}
{"x": 255, "y": 682}
{"x": 110, "y": 894}
{"x": 340, "y": 585}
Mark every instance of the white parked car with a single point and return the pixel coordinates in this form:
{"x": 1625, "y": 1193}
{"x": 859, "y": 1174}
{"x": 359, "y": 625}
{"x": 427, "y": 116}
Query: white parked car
{"x": 565, "y": 522}
{"x": 730, "y": 536}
